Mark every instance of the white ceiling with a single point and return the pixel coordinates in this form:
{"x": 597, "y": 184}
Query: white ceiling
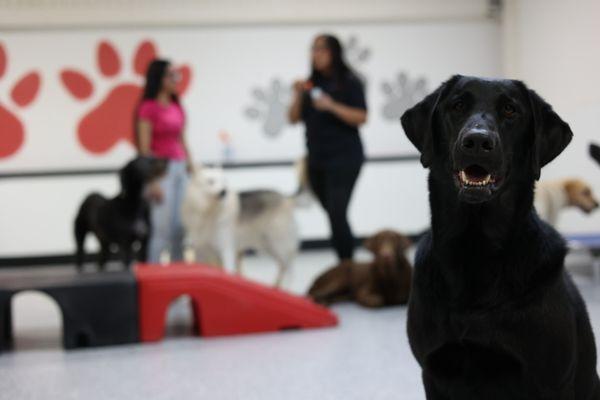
{"x": 35, "y": 14}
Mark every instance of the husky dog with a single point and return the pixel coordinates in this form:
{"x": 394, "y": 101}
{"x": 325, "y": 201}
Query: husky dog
{"x": 222, "y": 224}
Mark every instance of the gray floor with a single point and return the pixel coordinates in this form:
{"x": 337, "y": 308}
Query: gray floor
{"x": 366, "y": 357}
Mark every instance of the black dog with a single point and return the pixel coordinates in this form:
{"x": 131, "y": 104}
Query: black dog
{"x": 123, "y": 220}
{"x": 493, "y": 314}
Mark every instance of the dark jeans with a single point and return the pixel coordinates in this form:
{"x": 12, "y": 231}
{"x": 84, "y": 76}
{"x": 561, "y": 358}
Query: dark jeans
{"x": 333, "y": 187}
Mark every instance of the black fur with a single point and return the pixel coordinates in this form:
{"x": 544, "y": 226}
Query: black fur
{"x": 595, "y": 152}
{"x": 492, "y": 313}
{"x": 122, "y": 220}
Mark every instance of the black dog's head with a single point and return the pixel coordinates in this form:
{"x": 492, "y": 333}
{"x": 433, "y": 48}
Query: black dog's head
{"x": 139, "y": 172}
{"x": 483, "y": 133}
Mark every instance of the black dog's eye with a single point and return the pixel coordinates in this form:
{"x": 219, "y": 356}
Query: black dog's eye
{"x": 458, "y": 106}
{"x": 509, "y": 110}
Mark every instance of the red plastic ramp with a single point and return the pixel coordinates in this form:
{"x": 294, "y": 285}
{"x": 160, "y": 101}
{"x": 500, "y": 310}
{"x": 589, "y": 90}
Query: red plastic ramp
{"x": 223, "y": 304}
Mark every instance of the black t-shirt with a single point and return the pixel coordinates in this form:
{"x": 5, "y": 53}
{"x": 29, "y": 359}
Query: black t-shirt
{"x": 330, "y": 141}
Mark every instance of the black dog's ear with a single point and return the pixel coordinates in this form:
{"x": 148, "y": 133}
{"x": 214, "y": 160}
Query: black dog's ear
{"x": 417, "y": 121}
{"x": 551, "y": 133}
{"x": 595, "y": 152}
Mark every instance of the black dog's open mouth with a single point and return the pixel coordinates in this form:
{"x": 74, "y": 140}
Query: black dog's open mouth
{"x": 477, "y": 183}
{"x": 476, "y": 176}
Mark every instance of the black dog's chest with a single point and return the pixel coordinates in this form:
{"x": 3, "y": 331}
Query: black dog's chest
{"x": 470, "y": 347}
{"x": 472, "y": 360}
{"x": 515, "y": 343}
{"x": 136, "y": 228}
{"x": 458, "y": 365}
{"x": 123, "y": 229}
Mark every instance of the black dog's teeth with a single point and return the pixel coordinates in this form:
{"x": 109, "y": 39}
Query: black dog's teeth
{"x": 465, "y": 179}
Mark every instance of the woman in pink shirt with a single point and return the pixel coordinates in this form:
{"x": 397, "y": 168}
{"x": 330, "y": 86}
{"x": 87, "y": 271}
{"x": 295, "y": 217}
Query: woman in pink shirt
{"x": 160, "y": 129}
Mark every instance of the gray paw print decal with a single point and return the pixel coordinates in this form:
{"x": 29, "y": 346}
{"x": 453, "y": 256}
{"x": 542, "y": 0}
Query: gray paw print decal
{"x": 357, "y": 56}
{"x": 402, "y": 94}
{"x": 270, "y": 107}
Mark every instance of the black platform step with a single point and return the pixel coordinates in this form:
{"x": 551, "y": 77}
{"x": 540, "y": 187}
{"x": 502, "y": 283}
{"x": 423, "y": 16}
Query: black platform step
{"x": 98, "y": 309}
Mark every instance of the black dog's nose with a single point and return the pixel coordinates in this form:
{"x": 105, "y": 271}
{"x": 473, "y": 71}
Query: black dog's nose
{"x": 477, "y": 141}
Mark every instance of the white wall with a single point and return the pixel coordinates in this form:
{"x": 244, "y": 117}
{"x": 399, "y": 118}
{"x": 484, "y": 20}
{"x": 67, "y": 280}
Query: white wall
{"x": 554, "y": 46}
{"x": 228, "y": 64}
{"x": 37, "y": 214}
{"x": 232, "y": 47}
{"x": 551, "y": 44}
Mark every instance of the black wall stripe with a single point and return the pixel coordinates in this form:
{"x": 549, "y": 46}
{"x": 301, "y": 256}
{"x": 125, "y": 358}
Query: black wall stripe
{"x": 109, "y": 171}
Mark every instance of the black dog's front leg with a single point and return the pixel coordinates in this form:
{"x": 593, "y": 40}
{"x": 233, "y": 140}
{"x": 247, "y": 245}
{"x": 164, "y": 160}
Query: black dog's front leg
{"x": 126, "y": 254}
{"x": 431, "y": 391}
{"x": 143, "y": 251}
{"x": 104, "y": 255}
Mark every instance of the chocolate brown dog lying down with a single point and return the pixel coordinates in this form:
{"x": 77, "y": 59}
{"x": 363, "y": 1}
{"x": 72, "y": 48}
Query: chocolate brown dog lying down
{"x": 492, "y": 313}
{"x": 383, "y": 282}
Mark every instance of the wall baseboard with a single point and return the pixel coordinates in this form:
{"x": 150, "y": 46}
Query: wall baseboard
{"x": 66, "y": 259}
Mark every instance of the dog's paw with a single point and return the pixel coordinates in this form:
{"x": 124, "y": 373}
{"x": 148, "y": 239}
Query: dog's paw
{"x": 371, "y": 301}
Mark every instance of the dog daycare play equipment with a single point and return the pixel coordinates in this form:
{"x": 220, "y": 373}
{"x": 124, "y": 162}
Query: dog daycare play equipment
{"x": 223, "y": 304}
{"x": 111, "y": 308}
{"x": 98, "y": 309}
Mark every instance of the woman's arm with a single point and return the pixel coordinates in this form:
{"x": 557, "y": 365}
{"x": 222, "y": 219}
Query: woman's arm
{"x": 295, "y": 110}
{"x": 188, "y": 154}
{"x": 350, "y": 115}
{"x": 144, "y": 132}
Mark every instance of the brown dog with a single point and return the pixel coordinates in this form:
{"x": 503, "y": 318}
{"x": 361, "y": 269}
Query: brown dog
{"x": 383, "y": 282}
{"x": 551, "y": 197}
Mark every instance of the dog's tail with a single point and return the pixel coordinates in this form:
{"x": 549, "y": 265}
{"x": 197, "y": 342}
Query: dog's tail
{"x": 304, "y": 196}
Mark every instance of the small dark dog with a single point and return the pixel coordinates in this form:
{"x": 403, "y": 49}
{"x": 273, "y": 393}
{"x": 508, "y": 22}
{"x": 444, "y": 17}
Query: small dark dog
{"x": 383, "y": 282}
{"x": 123, "y": 220}
{"x": 492, "y": 313}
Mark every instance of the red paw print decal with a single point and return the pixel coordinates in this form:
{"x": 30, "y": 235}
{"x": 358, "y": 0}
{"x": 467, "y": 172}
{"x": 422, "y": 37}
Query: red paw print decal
{"x": 112, "y": 120}
{"x": 24, "y": 91}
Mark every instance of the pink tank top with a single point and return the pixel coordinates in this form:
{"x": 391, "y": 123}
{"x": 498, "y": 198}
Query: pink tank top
{"x": 167, "y": 127}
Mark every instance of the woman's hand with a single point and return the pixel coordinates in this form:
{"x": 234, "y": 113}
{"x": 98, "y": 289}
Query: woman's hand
{"x": 299, "y": 86}
{"x": 154, "y": 192}
{"x": 324, "y": 102}
{"x": 295, "y": 110}
{"x": 191, "y": 170}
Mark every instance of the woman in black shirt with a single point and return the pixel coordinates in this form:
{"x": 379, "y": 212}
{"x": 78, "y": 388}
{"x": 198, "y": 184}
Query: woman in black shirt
{"x": 332, "y": 106}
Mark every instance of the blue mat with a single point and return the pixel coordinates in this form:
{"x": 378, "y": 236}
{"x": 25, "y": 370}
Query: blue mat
{"x": 588, "y": 240}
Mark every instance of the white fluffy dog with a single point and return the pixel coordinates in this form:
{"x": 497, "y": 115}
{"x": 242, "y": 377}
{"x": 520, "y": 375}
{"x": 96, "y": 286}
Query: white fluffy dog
{"x": 222, "y": 224}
